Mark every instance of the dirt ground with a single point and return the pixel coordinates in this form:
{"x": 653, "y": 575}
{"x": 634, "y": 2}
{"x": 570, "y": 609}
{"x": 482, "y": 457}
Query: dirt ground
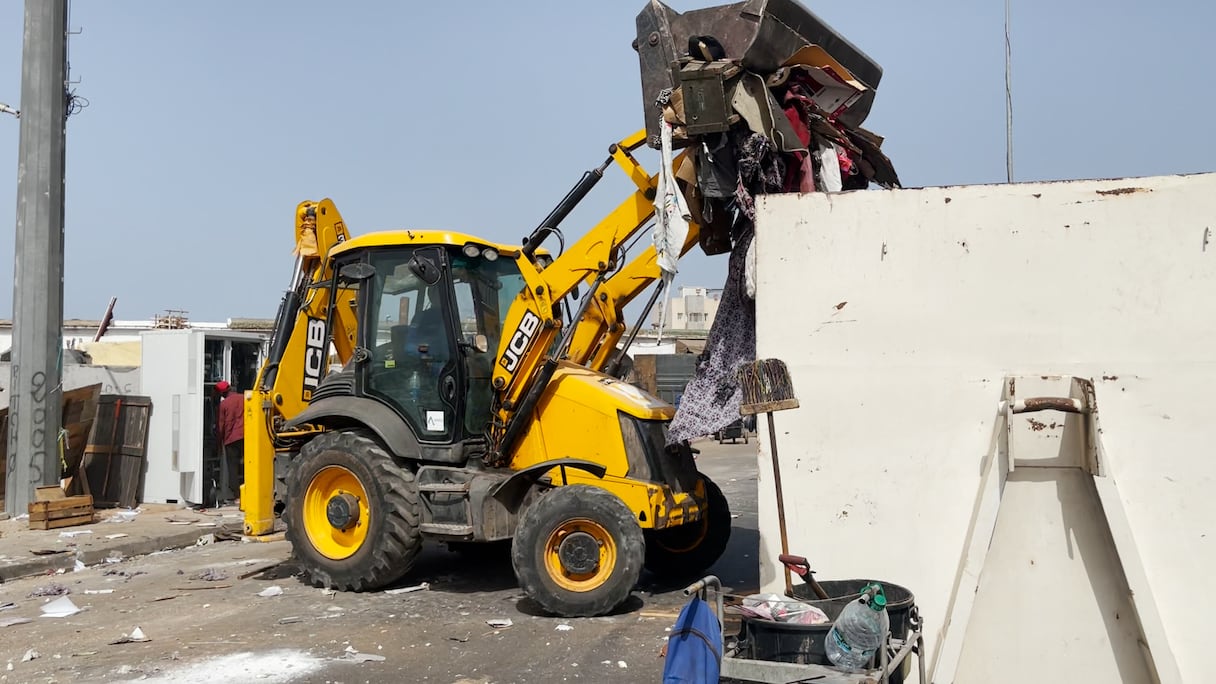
{"x": 205, "y": 619}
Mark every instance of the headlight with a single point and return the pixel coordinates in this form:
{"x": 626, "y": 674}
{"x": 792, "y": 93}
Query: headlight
{"x": 472, "y": 251}
{"x": 490, "y": 254}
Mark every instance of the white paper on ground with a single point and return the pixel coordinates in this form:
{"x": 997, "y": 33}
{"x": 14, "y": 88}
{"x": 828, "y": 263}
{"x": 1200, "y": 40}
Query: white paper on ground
{"x": 60, "y": 607}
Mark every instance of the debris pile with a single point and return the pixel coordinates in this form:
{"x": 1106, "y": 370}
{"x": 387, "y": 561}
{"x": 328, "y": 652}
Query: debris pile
{"x": 761, "y": 101}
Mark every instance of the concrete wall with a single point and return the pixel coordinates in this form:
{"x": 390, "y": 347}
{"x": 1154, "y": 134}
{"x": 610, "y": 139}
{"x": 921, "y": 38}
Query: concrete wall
{"x": 914, "y": 307}
{"x": 113, "y": 380}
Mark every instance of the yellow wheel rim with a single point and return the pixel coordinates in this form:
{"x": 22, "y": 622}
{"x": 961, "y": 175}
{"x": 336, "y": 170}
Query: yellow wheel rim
{"x": 580, "y": 555}
{"x": 339, "y": 485}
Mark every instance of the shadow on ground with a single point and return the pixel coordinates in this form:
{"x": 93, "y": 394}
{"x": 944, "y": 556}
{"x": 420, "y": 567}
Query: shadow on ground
{"x": 486, "y": 568}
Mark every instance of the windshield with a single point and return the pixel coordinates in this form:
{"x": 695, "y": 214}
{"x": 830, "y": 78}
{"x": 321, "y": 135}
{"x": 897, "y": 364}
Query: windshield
{"x": 484, "y": 292}
{"x": 424, "y": 337}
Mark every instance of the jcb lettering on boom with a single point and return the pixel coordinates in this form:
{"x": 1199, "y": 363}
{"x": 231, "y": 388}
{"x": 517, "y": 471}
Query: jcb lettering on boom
{"x": 520, "y": 341}
{"x": 314, "y": 355}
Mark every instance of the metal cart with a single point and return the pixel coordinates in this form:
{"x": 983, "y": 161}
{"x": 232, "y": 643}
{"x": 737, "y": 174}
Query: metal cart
{"x": 741, "y": 669}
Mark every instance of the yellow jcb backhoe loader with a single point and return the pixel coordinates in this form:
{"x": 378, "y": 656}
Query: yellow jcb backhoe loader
{"x": 466, "y": 410}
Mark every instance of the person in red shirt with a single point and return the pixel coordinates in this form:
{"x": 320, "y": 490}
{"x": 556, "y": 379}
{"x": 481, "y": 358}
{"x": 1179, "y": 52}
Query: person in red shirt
{"x": 230, "y": 429}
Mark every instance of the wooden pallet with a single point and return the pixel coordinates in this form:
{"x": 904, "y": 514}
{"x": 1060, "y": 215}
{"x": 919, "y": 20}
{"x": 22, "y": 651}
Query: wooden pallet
{"x": 54, "y": 509}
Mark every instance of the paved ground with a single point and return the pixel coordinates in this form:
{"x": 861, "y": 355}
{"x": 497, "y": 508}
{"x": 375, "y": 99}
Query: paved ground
{"x": 222, "y": 630}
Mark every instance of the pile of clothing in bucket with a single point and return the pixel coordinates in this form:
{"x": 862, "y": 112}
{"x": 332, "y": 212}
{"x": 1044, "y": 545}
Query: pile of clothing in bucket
{"x": 747, "y": 134}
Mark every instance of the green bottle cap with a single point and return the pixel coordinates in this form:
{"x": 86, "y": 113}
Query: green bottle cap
{"x": 878, "y": 603}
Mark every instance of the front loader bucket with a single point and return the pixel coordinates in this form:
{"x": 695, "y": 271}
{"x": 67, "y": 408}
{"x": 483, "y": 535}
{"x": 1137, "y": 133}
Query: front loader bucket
{"x": 763, "y": 34}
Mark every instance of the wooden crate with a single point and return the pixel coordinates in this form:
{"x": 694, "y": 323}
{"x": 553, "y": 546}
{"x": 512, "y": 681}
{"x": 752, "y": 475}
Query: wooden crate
{"x": 53, "y": 509}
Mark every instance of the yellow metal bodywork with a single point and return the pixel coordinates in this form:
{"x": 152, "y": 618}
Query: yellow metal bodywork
{"x": 577, "y": 417}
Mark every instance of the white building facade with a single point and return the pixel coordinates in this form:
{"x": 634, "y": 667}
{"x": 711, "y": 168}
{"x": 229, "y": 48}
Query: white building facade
{"x": 692, "y": 309}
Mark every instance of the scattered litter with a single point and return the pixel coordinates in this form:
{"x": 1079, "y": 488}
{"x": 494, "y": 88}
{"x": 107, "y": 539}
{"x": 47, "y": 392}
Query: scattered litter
{"x": 8, "y": 606}
{"x": 206, "y": 539}
{"x": 258, "y": 570}
{"x": 405, "y": 590}
{"x": 47, "y": 552}
{"x": 563, "y": 628}
{"x": 200, "y": 588}
{"x": 60, "y": 607}
{"x": 734, "y": 515}
{"x": 123, "y": 516}
{"x": 117, "y": 535}
{"x": 99, "y": 591}
{"x": 114, "y": 557}
{"x": 9, "y": 667}
{"x": 178, "y": 520}
{"x": 328, "y": 592}
{"x": 14, "y": 621}
{"x": 464, "y": 639}
{"x": 52, "y": 589}
{"x": 500, "y": 623}
{"x": 290, "y": 620}
{"x": 29, "y": 655}
{"x": 205, "y": 524}
{"x": 780, "y": 609}
{"x": 68, "y": 534}
{"x": 275, "y": 590}
{"x": 165, "y": 598}
{"x": 125, "y": 574}
{"x": 355, "y": 656}
{"x": 79, "y": 566}
{"x": 211, "y": 575}
{"x": 137, "y": 635}
{"x": 622, "y": 664}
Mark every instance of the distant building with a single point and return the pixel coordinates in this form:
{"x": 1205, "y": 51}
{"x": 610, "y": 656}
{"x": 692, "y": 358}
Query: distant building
{"x": 78, "y": 334}
{"x": 692, "y": 309}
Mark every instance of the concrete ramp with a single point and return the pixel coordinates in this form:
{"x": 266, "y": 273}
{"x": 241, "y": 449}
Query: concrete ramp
{"x": 1052, "y": 555}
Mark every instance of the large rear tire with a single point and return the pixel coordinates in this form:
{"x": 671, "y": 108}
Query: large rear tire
{"x": 689, "y": 549}
{"x": 352, "y": 513}
{"x": 578, "y": 551}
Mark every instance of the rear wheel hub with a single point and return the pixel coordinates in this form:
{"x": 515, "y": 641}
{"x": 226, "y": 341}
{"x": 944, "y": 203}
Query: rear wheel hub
{"x": 579, "y": 553}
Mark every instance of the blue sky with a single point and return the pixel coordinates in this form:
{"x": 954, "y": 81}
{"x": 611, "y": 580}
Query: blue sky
{"x": 208, "y": 122}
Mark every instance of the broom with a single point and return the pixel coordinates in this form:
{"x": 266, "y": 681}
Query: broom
{"x": 767, "y": 387}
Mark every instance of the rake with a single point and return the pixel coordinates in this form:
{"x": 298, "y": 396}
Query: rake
{"x": 767, "y": 387}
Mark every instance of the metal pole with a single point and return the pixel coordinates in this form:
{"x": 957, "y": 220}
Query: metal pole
{"x": 34, "y": 405}
{"x": 1008, "y": 100}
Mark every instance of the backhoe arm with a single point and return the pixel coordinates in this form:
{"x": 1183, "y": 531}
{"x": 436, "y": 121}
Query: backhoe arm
{"x": 299, "y": 355}
{"x": 596, "y": 334}
{"x": 529, "y": 354}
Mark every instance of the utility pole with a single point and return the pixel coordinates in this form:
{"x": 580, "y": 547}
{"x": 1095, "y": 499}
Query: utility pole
{"x": 35, "y": 407}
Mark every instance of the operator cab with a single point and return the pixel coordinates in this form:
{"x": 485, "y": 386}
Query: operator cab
{"x": 430, "y": 320}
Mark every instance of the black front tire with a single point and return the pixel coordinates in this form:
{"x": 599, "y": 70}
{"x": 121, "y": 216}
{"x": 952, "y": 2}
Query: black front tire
{"x": 689, "y": 549}
{"x": 589, "y": 511}
{"x": 392, "y": 539}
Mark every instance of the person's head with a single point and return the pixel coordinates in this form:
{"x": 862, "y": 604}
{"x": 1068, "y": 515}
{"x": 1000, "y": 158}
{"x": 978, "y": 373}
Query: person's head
{"x": 222, "y": 388}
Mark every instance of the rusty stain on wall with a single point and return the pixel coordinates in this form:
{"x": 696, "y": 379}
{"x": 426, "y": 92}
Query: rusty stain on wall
{"x": 1122, "y": 191}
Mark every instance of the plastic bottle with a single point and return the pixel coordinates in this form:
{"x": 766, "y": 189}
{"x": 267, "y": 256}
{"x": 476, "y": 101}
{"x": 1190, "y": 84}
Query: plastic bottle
{"x": 859, "y": 631}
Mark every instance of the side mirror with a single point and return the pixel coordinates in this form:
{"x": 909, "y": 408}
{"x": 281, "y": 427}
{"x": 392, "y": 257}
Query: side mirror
{"x": 425, "y": 267}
